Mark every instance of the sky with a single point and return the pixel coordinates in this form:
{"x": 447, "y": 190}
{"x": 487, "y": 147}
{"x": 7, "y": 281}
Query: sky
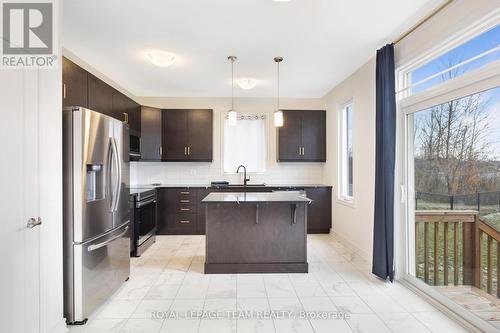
{"x": 476, "y": 46}
{"x": 484, "y": 42}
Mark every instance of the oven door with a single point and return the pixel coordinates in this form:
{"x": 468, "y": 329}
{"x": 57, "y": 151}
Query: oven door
{"x": 145, "y": 220}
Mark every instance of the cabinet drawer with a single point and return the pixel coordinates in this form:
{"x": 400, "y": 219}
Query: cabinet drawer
{"x": 186, "y": 208}
{"x": 182, "y": 224}
{"x": 186, "y": 194}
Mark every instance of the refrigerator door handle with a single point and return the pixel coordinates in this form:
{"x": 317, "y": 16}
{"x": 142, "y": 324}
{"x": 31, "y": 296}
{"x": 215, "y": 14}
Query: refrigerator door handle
{"x": 109, "y": 175}
{"x": 118, "y": 176}
{"x": 94, "y": 247}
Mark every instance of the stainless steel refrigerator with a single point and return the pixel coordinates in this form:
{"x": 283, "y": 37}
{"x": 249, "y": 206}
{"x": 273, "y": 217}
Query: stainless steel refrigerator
{"x": 96, "y": 210}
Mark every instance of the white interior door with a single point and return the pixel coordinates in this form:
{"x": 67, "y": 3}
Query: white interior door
{"x": 19, "y": 202}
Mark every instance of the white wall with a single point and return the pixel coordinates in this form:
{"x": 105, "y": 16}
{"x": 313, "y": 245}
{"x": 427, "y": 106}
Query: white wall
{"x": 203, "y": 173}
{"x": 354, "y": 223}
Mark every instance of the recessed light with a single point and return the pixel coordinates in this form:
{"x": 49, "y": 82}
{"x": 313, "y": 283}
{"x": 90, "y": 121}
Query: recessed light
{"x": 281, "y": 0}
{"x": 246, "y": 83}
{"x": 161, "y": 58}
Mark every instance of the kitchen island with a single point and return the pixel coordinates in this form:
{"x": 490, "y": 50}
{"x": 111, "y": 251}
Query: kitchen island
{"x": 256, "y": 232}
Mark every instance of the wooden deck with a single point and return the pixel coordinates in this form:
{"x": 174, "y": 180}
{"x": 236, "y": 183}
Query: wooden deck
{"x": 475, "y": 300}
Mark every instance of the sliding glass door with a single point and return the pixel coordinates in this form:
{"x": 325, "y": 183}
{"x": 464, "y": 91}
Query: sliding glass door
{"x": 453, "y": 176}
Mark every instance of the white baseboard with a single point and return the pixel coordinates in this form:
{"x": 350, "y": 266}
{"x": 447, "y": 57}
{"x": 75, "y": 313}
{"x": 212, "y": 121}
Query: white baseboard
{"x": 347, "y": 243}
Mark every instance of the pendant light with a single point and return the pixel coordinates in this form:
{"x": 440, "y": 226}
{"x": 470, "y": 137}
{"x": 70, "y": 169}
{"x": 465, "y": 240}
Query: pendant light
{"x": 278, "y": 114}
{"x": 232, "y": 115}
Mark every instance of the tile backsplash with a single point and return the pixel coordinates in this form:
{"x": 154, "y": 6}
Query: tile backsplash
{"x": 142, "y": 173}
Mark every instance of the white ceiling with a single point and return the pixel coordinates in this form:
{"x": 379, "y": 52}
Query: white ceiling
{"x": 322, "y": 41}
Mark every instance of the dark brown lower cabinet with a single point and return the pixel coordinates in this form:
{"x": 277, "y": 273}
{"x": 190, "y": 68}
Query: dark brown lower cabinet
{"x": 319, "y": 212}
{"x": 181, "y": 212}
{"x": 177, "y": 211}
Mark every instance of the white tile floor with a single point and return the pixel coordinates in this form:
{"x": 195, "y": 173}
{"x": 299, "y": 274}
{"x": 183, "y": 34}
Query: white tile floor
{"x": 169, "y": 277}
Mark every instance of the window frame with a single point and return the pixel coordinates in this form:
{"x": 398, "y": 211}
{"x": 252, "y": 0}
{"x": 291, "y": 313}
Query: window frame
{"x": 403, "y": 72}
{"x": 343, "y": 166}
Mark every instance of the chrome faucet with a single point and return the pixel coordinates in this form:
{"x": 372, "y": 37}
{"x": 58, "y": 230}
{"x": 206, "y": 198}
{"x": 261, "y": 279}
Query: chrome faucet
{"x": 245, "y": 179}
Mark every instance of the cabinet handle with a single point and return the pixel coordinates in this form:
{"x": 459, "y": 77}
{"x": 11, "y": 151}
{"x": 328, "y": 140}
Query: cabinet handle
{"x": 185, "y": 221}
{"x": 185, "y": 201}
{"x": 185, "y": 192}
{"x": 300, "y": 150}
{"x": 303, "y": 151}
{"x": 185, "y": 209}
{"x": 64, "y": 90}
{"x": 185, "y": 151}
{"x": 125, "y": 117}
{"x": 161, "y": 151}
{"x": 189, "y": 150}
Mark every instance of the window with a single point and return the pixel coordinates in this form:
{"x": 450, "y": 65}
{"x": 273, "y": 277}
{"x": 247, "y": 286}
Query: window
{"x": 245, "y": 143}
{"x": 471, "y": 55}
{"x": 345, "y": 149}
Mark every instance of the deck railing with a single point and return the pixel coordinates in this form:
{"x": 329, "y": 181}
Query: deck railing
{"x": 456, "y": 247}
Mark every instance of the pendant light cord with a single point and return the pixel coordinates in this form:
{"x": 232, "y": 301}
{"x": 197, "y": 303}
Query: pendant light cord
{"x": 232, "y": 84}
{"x": 278, "y": 84}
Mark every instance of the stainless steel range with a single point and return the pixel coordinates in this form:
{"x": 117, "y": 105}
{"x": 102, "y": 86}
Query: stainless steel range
{"x": 144, "y": 225}
{"x": 96, "y": 210}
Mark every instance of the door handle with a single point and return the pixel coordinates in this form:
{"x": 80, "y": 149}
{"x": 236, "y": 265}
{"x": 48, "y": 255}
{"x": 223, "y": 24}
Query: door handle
{"x": 32, "y": 222}
{"x": 94, "y": 247}
{"x": 117, "y": 175}
{"x": 109, "y": 175}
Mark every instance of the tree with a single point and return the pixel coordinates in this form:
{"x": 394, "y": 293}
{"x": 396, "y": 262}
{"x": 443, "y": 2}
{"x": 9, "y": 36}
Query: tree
{"x": 450, "y": 142}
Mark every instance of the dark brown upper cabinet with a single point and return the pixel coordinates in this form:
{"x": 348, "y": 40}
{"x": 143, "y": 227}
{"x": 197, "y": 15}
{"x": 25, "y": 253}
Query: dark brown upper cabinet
{"x": 128, "y": 111}
{"x": 150, "y": 134}
{"x": 187, "y": 135}
{"x": 74, "y": 84}
{"x": 100, "y": 96}
{"x": 134, "y": 117}
{"x": 302, "y": 138}
{"x": 81, "y": 88}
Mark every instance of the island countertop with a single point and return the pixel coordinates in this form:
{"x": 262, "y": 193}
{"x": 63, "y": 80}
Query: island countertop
{"x": 255, "y": 197}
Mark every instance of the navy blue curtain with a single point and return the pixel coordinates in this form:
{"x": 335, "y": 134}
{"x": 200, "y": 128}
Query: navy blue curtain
{"x": 383, "y": 231}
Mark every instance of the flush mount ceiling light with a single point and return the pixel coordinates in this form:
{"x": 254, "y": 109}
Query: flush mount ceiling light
{"x": 161, "y": 58}
{"x": 232, "y": 115}
{"x": 247, "y": 83}
{"x": 278, "y": 114}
